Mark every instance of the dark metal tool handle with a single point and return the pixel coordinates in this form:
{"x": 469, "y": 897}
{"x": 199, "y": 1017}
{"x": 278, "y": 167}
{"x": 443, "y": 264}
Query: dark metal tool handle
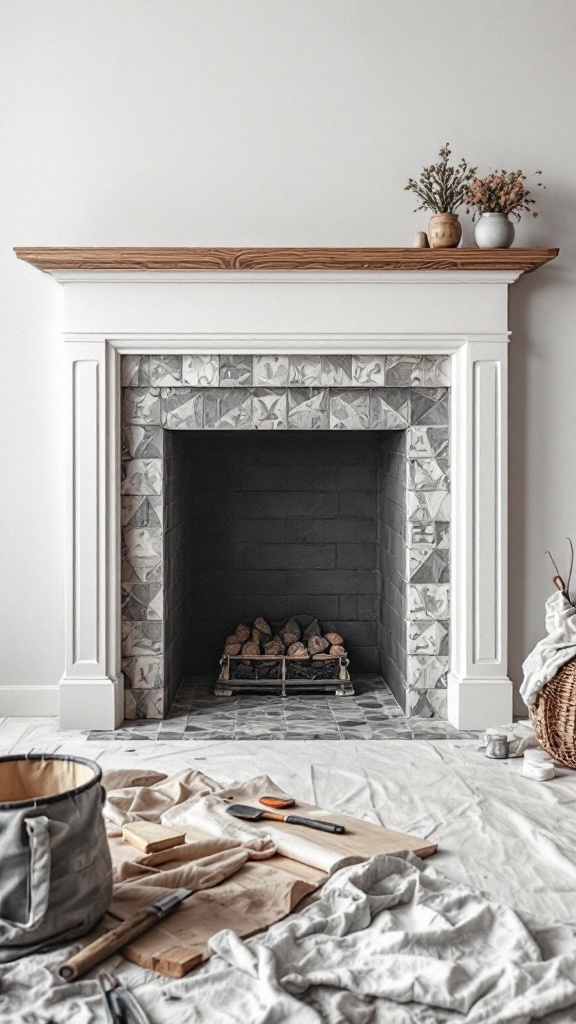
{"x": 324, "y": 826}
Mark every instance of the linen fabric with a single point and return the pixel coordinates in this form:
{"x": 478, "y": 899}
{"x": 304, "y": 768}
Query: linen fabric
{"x": 388, "y": 941}
{"x": 558, "y": 647}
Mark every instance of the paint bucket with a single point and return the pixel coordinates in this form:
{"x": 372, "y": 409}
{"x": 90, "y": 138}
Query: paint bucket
{"x": 56, "y": 870}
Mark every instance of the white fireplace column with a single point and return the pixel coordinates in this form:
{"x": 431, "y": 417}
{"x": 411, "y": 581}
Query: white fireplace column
{"x": 461, "y": 313}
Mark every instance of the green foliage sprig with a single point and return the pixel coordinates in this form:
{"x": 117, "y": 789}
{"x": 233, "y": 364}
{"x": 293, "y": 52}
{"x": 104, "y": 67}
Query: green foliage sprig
{"x": 441, "y": 187}
{"x": 501, "y": 192}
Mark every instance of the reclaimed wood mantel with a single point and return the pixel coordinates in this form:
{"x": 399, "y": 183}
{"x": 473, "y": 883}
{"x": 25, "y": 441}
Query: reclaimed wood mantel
{"x": 52, "y": 259}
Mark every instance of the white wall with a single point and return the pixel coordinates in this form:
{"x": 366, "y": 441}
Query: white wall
{"x": 268, "y": 122}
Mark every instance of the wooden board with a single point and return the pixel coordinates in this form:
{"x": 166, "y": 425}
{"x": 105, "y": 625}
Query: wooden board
{"x": 243, "y": 901}
{"x": 361, "y": 838}
{"x": 51, "y": 259}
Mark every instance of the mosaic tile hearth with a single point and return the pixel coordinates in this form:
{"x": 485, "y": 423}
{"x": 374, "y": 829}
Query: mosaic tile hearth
{"x": 371, "y": 713}
{"x": 404, "y": 394}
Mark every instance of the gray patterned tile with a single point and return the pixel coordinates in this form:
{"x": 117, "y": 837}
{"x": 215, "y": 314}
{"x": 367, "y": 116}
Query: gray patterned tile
{"x": 143, "y": 510}
{"x": 428, "y": 506}
{"x": 336, "y": 371}
{"x": 430, "y": 407}
{"x": 141, "y": 405}
{"x": 305, "y": 371}
{"x": 142, "y": 476}
{"x": 350, "y": 410}
{"x": 228, "y": 409}
{"x": 426, "y": 672}
{"x": 428, "y": 565}
{"x": 143, "y": 704}
{"x": 427, "y": 704}
{"x": 236, "y": 371}
{"x": 139, "y": 442}
{"x": 271, "y": 371}
{"x": 165, "y": 371}
{"x": 143, "y": 673}
{"x": 142, "y": 638}
{"x": 431, "y": 372}
{"x": 201, "y": 371}
{"x": 269, "y": 409}
{"x": 398, "y": 371}
{"x": 427, "y": 637}
{"x": 308, "y": 409}
{"x": 141, "y": 574}
{"x": 183, "y": 408}
{"x": 389, "y": 408}
{"x": 143, "y": 553}
{"x": 432, "y": 535}
{"x": 142, "y": 601}
{"x": 368, "y": 371}
{"x": 427, "y": 442}
{"x": 135, "y": 371}
{"x": 429, "y": 601}
{"x": 429, "y": 475}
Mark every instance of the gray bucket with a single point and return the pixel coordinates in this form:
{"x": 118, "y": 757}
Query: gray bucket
{"x": 55, "y": 865}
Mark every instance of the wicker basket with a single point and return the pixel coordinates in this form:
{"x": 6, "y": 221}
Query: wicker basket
{"x": 554, "y": 715}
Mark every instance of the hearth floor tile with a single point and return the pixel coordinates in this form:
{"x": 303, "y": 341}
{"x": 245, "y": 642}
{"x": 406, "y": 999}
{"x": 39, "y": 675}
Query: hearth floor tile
{"x": 372, "y": 713}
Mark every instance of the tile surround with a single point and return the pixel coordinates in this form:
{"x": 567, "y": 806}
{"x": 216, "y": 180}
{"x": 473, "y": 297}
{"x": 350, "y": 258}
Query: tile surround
{"x": 207, "y": 392}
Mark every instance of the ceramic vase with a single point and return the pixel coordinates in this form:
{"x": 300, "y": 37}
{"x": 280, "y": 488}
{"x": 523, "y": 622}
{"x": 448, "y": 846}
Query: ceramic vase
{"x": 494, "y": 231}
{"x": 444, "y": 231}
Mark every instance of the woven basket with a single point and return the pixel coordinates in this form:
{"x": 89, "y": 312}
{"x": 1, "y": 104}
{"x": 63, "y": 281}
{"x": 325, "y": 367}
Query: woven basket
{"x": 554, "y": 715}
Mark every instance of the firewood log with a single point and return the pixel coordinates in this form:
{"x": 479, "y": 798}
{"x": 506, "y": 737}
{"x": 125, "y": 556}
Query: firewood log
{"x": 274, "y": 646}
{"x": 297, "y": 650}
{"x": 233, "y": 639}
{"x": 333, "y": 638}
{"x": 263, "y": 627}
{"x": 242, "y": 633}
{"x": 250, "y": 649}
{"x": 312, "y": 630}
{"x": 317, "y": 644}
{"x": 291, "y": 632}
{"x": 337, "y": 650}
{"x": 232, "y": 649}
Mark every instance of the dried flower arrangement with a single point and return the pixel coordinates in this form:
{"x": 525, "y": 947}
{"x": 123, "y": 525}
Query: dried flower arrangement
{"x": 441, "y": 187}
{"x": 501, "y": 192}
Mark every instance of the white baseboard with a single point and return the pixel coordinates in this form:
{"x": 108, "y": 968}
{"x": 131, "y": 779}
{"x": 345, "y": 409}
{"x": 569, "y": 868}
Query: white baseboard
{"x": 28, "y": 701}
{"x": 479, "y": 703}
{"x": 91, "y": 703}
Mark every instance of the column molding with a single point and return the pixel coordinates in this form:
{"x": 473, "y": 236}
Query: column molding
{"x": 91, "y": 689}
{"x": 479, "y": 690}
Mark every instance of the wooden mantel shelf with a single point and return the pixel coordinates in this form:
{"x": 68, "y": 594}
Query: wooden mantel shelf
{"x": 84, "y": 258}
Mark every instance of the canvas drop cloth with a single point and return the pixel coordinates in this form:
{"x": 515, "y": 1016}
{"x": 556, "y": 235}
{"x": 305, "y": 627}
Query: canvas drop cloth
{"x": 392, "y": 940}
{"x": 388, "y": 941}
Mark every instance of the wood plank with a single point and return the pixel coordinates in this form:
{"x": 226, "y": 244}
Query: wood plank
{"x": 361, "y": 838}
{"x": 180, "y": 942}
{"x": 51, "y": 259}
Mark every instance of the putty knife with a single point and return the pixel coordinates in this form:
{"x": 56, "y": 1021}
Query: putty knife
{"x": 255, "y": 813}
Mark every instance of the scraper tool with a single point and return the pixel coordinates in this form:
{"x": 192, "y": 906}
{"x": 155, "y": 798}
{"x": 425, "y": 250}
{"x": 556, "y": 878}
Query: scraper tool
{"x": 256, "y": 813}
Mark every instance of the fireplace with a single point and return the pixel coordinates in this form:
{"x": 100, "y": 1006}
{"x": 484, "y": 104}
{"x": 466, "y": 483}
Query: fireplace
{"x": 330, "y": 500}
{"x": 179, "y": 310}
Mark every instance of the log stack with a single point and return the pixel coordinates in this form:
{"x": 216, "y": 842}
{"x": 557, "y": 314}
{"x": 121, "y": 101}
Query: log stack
{"x": 290, "y": 641}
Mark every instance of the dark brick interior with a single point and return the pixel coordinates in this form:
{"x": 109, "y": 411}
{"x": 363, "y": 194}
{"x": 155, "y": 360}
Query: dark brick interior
{"x": 275, "y": 524}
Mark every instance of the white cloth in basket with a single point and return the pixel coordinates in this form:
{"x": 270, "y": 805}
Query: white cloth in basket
{"x": 554, "y": 650}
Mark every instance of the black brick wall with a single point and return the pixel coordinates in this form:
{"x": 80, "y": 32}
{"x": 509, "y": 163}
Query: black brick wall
{"x": 276, "y": 524}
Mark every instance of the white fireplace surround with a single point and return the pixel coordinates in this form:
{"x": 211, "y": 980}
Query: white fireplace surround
{"x": 460, "y": 313}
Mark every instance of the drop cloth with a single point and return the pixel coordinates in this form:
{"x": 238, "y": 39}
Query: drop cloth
{"x": 513, "y": 838}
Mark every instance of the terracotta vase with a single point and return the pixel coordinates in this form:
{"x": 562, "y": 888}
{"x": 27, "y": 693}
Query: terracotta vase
{"x": 444, "y": 231}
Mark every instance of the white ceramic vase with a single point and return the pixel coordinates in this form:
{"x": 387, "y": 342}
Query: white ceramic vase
{"x": 494, "y": 231}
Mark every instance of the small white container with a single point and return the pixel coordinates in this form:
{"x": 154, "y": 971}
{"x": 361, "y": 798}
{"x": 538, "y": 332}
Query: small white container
{"x": 494, "y": 231}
